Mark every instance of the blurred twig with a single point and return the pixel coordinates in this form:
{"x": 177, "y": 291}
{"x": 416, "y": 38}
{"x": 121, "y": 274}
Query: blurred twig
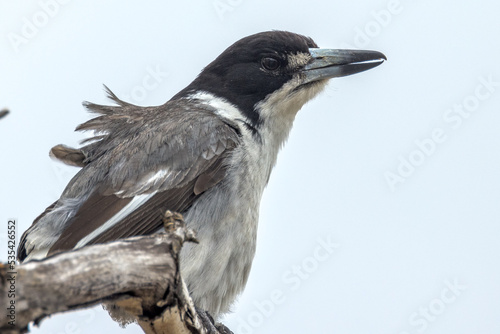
{"x": 4, "y": 112}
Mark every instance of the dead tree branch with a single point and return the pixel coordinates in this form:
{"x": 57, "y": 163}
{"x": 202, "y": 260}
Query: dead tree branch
{"x": 137, "y": 276}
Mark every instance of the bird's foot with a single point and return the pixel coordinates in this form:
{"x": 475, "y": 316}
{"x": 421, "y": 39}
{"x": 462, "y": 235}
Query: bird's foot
{"x": 210, "y": 325}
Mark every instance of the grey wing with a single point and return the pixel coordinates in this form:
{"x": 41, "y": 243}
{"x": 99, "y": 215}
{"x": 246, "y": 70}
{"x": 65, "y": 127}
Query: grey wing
{"x": 141, "y": 175}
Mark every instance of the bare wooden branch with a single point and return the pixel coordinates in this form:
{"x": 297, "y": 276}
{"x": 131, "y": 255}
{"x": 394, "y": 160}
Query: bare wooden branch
{"x": 137, "y": 278}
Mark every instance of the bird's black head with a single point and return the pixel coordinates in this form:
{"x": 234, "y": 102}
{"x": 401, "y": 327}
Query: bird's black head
{"x": 252, "y": 69}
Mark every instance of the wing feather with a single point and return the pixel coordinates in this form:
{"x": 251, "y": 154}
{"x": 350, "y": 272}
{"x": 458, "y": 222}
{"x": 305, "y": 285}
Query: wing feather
{"x": 174, "y": 157}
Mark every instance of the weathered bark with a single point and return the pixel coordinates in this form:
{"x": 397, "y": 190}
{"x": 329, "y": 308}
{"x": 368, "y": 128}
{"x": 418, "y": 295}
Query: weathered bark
{"x": 137, "y": 278}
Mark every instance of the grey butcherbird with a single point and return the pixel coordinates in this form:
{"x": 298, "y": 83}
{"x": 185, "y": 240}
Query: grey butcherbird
{"x": 207, "y": 153}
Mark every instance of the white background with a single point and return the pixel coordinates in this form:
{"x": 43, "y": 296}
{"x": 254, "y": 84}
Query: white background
{"x": 399, "y": 247}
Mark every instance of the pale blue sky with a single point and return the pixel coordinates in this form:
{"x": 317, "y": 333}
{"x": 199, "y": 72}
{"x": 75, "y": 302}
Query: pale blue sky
{"x": 382, "y": 213}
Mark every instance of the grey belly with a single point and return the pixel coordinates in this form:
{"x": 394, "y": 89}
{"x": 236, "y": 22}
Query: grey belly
{"x": 216, "y": 270}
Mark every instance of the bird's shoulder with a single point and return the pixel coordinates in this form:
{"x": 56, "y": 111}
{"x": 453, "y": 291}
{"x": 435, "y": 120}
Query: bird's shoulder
{"x": 174, "y": 124}
{"x": 142, "y": 149}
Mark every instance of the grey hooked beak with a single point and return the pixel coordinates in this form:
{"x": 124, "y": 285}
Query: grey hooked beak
{"x": 331, "y": 63}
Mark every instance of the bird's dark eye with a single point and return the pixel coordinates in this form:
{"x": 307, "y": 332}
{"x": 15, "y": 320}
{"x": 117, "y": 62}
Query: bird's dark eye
{"x": 270, "y": 63}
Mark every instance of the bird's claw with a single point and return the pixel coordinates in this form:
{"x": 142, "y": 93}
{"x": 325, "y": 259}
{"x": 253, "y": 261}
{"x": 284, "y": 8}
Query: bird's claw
{"x": 210, "y": 325}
